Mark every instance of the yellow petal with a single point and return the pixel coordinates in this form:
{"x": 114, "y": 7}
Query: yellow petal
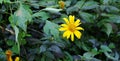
{"x": 17, "y": 59}
{"x": 79, "y": 28}
{"x": 65, "y": 33}
{"x": 64, "y": 25}
{"x": 71, "y": 18}
{"x": 72, "y": 37}
{"x": 68, "y": 36}
{"x": 77, "y": 34}
{"x": 77, "y": 22}
{"x": 62, "y": 29}
{"x": 66, "y": 20}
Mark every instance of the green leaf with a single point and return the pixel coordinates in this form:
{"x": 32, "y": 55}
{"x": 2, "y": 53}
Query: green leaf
{"x": 68, "y": 56}
{"x": 41, "y": 14}
{"x": 15, "y": 49}
{"x": 113, "y": 9}
{"x": 1, "y": 1}
{"x": 72, "y": 9}
{"x": 49, "y": 55}
{"x": 52, "y": 10}
{"x": 10, "y": 42}
{"x": 94, "y": 51}
{"x": 88, "y": 55}
{"x": 90, "y": 5}
{"x": 85, "y": 47}
{"x": 79, "y": 4}
{"x": 86, "y": 16}
{"x": 6, "y": 1}
{"x": 114, "y": 18}
{"x": 111, "y": 57}
{"x": 105, "y": 1}
{"x": 21, "y": 17}
{"x": 104, "y": 48}
{"x": 108, "y": 27}
{"x": 51, "y": 28}
{"x": 111, "y": 45}
{"x": 42, "y": 48}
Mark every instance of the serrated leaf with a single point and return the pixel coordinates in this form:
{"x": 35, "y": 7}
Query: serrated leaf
{"x": 68, "y": 56}
{"x": 10, "y": 42}
{"x": 21, "y": 17}
{"x": 72, "y": 9}
{"x": 56, "y": 50}
{"x": 108, "y": 27}
{"x": 15, "y": 49}
{"x": 104, "y": 48}
{"x": 112, "y": 9}
{"x": 51, "y": 28}
{"x": 88, "y": 55}
{"x": 43, "y": 15}
{"x": 49, "y": 55}
{"x": 111, "y": 57}
{"x": 79, "y": 4}
{"x": 95, "y": 51}
{"x": 42, "y": 48}
{"x": 86, "y": 16}
{"x": 90, "y": 5}
{"x": 114, "y": 18}
{"x": 111, "y": 45}
{"x": 104, "y": 1}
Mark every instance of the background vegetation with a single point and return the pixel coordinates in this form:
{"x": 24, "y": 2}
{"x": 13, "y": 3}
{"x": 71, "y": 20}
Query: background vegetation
{"x": 29, "y": 28}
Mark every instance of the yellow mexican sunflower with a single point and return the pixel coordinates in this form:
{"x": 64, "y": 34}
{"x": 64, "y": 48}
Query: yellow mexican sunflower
{"x": 61, "y": 4}
{"x": 9, "y": 56}
{"x": 71, "y": 28}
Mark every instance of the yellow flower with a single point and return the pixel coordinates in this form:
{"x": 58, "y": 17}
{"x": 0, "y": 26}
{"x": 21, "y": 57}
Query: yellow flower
{"x": 9, "y": 56}
{"x": 61, "y": 4}
{"x": 71, "y": 28}
{"x": 17, "y": 59}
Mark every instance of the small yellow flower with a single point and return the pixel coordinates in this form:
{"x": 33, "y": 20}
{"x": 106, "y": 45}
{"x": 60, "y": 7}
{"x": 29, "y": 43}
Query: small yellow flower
{"x": 61, "y": 4}
{"x": 71, "y": 28}
{"x": 9, "y": 56}
{"x": 17, "y": 59}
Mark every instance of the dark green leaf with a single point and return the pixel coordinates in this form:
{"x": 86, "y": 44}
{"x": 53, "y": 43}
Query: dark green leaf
{"x": 105, "y": 48}
{"x": 15, "y": 49}
{"x": 42, "y": 48}
{"x": 49, "y": 55}
{"x": 105, "y": 1}
{"x": 10, "y": 42}
{"x": 88, "y": 55}
{"x": 86, "y": 16}
{"x": 111, "y": 45}
{"x": 90, "y": 5}
{"x": 51, "y": 28}
{"x": 115, "y": 18}
{"x": 43, "y": 15}
{"x": 108, "y": 27}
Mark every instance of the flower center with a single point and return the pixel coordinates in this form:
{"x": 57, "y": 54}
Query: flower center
{"x": 72, "y": 27}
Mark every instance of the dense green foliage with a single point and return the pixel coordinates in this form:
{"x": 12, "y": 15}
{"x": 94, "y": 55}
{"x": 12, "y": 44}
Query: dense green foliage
{"x": 29, "y": 28}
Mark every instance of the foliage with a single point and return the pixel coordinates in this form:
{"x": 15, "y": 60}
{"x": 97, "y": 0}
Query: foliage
{"x": 29, "y": 28}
